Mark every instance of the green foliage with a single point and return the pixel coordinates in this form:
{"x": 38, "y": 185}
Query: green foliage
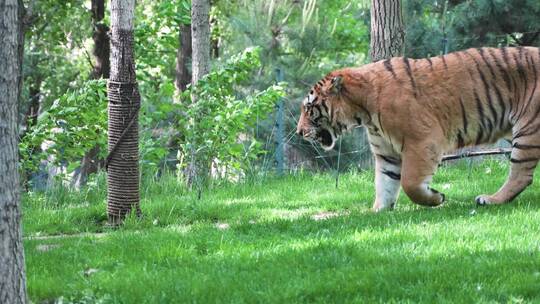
{"x": 156, "y": 32}
{"x": 57, "y": 46}
{"x": 76, "y": 122}
{"x": 305, "y": 40}
{"x": 57, "y": 62}
{"x": 156, "y": 35}
{"x": 215, "y": 128}
{"x": 468, "y": 24}
{"x": 497, "y": 22}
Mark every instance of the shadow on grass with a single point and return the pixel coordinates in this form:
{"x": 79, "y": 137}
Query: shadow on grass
{"x": 298, "y": 263}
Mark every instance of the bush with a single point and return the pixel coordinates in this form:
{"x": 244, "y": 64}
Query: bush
{"x": 215, "y": 129}
{"x": 75, "y": 123}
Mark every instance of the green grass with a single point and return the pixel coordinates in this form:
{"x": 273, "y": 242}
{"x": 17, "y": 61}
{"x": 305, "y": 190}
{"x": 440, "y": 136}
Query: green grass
{"x": 260, "y": 242}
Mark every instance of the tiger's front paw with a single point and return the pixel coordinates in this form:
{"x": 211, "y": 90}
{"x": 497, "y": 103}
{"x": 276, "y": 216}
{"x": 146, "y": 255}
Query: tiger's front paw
{"x": 377, "y": 207}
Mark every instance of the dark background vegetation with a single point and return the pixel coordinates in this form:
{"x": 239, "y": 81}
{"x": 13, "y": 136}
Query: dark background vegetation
{"x": 304, "y": 39}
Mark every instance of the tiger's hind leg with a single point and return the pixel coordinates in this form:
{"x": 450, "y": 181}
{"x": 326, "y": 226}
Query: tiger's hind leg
{"x": 525, "y": 151}
{"x": 524, "y": 159}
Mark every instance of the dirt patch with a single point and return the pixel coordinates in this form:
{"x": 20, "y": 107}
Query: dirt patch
{"x": 222, "y": 226}
{"x": 47, "y": 247}
{"x": 63, "y": 236}
{"x": 321, "y": 216}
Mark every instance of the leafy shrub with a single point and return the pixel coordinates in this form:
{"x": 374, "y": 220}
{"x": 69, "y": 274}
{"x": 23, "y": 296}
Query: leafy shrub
{"x": 215, "y": 129}
{"x": 75, "y": 123}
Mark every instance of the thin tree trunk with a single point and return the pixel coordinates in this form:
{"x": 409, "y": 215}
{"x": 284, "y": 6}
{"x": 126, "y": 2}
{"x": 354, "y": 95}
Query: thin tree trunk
{"x": 33, "y": 109}
{"x": 101, "y": 52}
{"x": 31, "y": 119}
{"x": 102, "y": 48}
{"x": 200, "y": 34}
{"x": 214, "y": 40}
{"x": 26, "y": 18}
{"x": 90, "y": 162}
{"x": 387, "y": 34}
{"x": 124, "y": 102}
{"x": 183, "y": 58}
{"x": 12, "y": 272}
{"x": 183, "y": 79}
{"x": 21, "y": 26}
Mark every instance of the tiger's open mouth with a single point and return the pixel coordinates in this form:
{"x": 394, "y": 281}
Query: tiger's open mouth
{"x": 326, "y": 139}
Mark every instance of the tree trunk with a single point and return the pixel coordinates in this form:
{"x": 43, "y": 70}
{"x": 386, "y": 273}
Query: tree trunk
{"x": 183, "y": 79}
{"x": 33, "y": 109}
{"x": 200, "y": 34}
{"x": 124, "y": 102}
{"x": 90, "y": 162}
{"x": 21, "y": 28}
{"x": 102, "y": 48}
{"x": 183, "y": 58}
{"x": 214, "y": 39}
{"x": 387, "y": 34}
{"x": 12, "y": 273}
{"x": 31, "y": 119}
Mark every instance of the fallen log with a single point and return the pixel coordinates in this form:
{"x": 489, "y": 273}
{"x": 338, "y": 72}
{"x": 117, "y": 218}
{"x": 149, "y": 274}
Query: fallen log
{"x": 477, "y": 153}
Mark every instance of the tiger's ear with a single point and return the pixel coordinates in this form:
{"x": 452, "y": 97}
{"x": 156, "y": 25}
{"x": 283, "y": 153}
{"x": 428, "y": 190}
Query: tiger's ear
{"x": 336, "y": 84}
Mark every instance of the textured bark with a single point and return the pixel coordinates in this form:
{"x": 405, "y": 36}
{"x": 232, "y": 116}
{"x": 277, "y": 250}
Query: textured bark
{"x": 215, "y": 48}
{"x": 12, "y": 273}
{"x": 33, "y": 109}
{"x": 21, "y": 26}
{"x": 387, "y": 34}
{"x": 183, "y": 58}
{"x": 200, "y": 35}
{"x": 90, "y": 162}
{"x": 98, "y": 10}
{"x": 214, "y": 40}
{"x": 101, "y": 39}
{"x": 124, "y": 102}
{"x": 101, "y": 51}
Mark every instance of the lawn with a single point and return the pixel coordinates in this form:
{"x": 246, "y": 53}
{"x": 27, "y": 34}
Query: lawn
{"x": 284, "y": 240}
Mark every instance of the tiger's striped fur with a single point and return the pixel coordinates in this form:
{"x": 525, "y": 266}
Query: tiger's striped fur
{"x": 416, "y": 110}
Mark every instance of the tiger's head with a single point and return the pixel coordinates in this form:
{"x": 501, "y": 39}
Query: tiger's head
{"x": 318, "y": 121}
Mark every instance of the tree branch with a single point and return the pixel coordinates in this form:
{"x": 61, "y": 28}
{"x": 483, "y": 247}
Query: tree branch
{"x": 479, "y": 153}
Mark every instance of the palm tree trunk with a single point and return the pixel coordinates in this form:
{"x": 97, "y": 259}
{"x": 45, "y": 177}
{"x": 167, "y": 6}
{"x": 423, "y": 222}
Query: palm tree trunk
{"x": 124, "y": 102}
{"x": 12, "y": 272}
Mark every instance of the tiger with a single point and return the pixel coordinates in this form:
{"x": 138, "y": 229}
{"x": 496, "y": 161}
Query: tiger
{"x": 415, "y": 110}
